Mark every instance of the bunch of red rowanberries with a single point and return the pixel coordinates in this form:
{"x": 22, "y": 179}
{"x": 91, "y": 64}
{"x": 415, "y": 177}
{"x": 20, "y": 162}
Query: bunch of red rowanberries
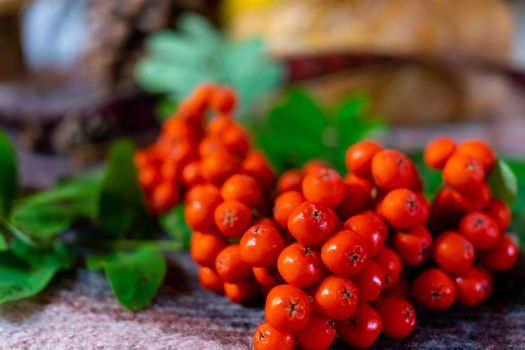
{"x": 340, "y": 277}
{"x": 333, "y": 255}
{"x": 200, "y": 147}
{"x": 469, "y": 226}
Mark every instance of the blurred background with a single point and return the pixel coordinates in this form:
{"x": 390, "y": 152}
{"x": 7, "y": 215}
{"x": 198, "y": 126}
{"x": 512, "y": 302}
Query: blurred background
{"x": 76, "y": 74}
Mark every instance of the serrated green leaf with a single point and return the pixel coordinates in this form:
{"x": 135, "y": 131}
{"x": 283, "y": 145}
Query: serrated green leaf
{"x": 121, "y": 206}
{"x": 174, "y": 223}
{"x": 9, "y": 176}
{"x": 134, "y": 278}
{"x": 503, "y": 182}
{"x": 178, "y": 61}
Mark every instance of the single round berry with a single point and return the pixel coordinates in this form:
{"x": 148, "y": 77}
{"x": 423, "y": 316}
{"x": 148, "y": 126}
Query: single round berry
{"x": 502, "y": 256}
{"x": 478, "y": 150}
{"x": 324, "y": 186}
{"x": 191, "y": 175}
{"x": 210, "y": 280}
{"x": 413, "y": 245}
{"x": 480, "y": 229}
{"x": 473, "y": 286}
{"x": 267, "y": 337}
{"x": 336, "y": 298}
{"x": 300, "y": 265}
{"x": 362, "y": 329}
{"x": 358, "y": 158}
{"x": 318, "y": 334}
{"x": 453, "y": 253}
{"x": 284, "y": 205}
{"x": 230, "y": 266}
{"x": 358, "y": 196}
{"x": 244, "y": 292}
{"x": 261, "y": 245}
{"x": 400, "y": 289}
{"x": 287, "y": 308}
{"x": 345, "y": 253}
{"x": 290, "y": 180}
{"x": 257, "y": 166}
{"x": 372, "y": 228}
{"x": 391, "y": 265}
{"x": 216, "y": 125}
{"x": 463, "y": 173}
{"x": 217, "y": 167}
{"x": 314, "y": 165}
{"x": 392, "y": 169}
{"x": 311, "y": 223}
{"x": 202, "y": 191}
{"x": 232, "y": 218}
{"x": 501, "y": 213}
{"x": 398, "y": 316}
{"x": 434, "y": 289}
{"x": 164, "y": 197}
{"x": 200, "y": 211}
{"x": 149, "y": 177}
{"x": 204, "y": 247}
{"x": 223, "y": 100}
{"x": 369, "y": 281}
{"x": 267, "y": 276}
{"x": 438, "y": 152}
{"x": 242, "y": 188}
{"x": 403, "y": 208}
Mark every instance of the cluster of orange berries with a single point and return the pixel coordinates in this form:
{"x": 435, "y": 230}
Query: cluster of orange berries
{"x": 469, "y": 225}
{"x": 332, "y": 255}
{"x": 192, "y": 151}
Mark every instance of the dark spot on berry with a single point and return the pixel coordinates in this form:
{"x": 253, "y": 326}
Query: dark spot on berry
{"x": 347, "y": 294}
{"x": 479, "y": 222}
{"x": 353, "y": 322}
{"x": 292, "y": 308}
{"x": 331, "y": 323}
{"x": 260, "y": 335}
{"x": 308, "y": 251}
{"x": 316, "y": 214}
{"x": 355, "y": 258}
{"x": 436, "y": 294}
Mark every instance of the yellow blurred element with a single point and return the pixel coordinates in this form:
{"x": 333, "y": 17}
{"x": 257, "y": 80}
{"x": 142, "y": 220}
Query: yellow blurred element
{"x": 233, "y": 8}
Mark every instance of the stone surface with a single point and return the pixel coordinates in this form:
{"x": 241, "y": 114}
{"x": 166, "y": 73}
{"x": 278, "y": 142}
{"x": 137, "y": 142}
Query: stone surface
{"x": 79, "y": 311}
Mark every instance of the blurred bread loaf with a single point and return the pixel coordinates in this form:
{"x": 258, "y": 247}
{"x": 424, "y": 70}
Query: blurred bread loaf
{"x": 438, "y": 31}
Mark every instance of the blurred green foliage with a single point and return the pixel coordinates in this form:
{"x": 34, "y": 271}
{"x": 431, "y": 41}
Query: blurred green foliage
{"x": 299, "y": 128}
{"x": 177, "y": 61}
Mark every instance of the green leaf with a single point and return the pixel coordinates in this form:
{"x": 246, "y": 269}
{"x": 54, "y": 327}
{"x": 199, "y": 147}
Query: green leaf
{"x": 3, "y": 244}
{"x": 136, "y": 277}
{"x": 431, "y": 178}
{"x": 503, "y": 182}
{"x": 8, "y": 178}
{"x": 42, "y": 216}
{"x": 19, "y": 279}
{"x": 121, "y": 206}
{"x": 25, "y": 271}
{"x": 174, "y": 223}
{"x": 177, "y": 61}
{"x": 42, "y": 221}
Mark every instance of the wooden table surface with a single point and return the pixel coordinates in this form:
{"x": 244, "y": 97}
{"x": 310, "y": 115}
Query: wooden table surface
{"x": 79, "y": 312}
